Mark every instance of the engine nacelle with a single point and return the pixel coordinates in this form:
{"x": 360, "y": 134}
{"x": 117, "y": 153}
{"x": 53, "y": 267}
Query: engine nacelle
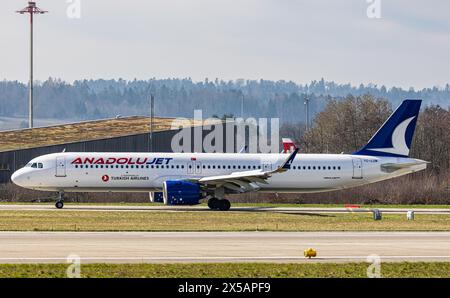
{"x": 156, "y": 197}
{"x": 181, "y": 193}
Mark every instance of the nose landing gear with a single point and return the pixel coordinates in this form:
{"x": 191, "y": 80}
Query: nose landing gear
{"x": 59, "y": 204}
{"x": 60, "y": 200}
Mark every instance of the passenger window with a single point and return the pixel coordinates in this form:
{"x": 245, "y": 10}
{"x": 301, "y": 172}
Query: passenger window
{"x": 339, "y": 168}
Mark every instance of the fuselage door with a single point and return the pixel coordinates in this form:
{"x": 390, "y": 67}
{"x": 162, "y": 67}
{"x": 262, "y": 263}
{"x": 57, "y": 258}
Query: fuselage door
{"x": 357, "y": 168}
{"x": 191, "y": 167}
{"x": 198, "y": 167}
{"x": 60, "y": 167}
{"x": 194, "y": 167}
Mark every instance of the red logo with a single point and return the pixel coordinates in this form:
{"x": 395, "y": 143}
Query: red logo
{"x": 105, "y": 178}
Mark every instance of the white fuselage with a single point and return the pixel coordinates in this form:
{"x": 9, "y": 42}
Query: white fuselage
{"x": 144, "y": 172}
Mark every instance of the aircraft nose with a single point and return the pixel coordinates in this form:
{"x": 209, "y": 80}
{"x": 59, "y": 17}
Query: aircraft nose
{"x": 17, "y": 178}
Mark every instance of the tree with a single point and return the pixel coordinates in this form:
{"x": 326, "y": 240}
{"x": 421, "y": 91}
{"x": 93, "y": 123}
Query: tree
{"x": 432, "y": 138}
{"x": 346, "y": 125}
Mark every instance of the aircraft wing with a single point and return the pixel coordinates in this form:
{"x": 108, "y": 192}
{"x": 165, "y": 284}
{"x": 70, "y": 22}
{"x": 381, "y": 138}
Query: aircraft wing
{"x": 246, "y": 180}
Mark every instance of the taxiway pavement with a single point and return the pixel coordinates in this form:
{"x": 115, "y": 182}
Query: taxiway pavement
{"x": 187, "y": 247}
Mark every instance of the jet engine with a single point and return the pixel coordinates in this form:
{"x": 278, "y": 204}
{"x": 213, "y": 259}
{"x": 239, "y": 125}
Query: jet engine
{"x": 181, "y": 193}
{"x": 156, "y": 197}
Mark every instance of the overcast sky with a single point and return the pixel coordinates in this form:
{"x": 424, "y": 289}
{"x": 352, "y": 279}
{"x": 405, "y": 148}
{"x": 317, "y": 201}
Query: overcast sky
{"x": 230, "y": 39}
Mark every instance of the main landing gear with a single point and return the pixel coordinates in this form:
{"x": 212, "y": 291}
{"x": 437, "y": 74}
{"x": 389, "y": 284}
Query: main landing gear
{"x": 219, "y": 204}
{"x": 60, "y": 200}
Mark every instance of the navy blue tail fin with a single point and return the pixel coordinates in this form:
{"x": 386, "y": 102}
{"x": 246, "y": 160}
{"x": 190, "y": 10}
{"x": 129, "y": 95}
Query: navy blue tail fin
{"x": 394, "y": 138}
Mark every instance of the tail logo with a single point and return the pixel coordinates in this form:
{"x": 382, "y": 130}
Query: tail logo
{"x": 399, "y": 145}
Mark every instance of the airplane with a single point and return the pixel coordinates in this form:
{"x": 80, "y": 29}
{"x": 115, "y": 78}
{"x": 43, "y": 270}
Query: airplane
{"x": 187, "y": 178}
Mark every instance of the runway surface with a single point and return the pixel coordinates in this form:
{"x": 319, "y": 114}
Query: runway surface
{"x": 146, "y": 208}
{"x": 186, "y": 247}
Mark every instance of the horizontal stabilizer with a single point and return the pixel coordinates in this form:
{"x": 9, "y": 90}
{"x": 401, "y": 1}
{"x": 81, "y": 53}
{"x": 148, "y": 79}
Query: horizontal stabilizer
{"x": 392, "y": 167}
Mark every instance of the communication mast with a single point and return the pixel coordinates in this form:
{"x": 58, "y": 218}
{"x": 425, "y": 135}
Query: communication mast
{"x": 307, "y": 99}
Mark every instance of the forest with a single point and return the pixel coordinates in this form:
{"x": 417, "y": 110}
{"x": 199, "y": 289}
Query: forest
{"x": 95, "y": 99}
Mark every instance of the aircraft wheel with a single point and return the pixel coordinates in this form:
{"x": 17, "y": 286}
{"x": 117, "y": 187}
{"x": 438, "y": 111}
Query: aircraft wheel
{"x": 59, "y": 204}
{"x": 224, "y": 205}
{"x": 213, "y": 203}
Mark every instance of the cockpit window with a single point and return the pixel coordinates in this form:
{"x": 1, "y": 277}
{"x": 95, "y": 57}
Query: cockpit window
{"x": 36, "y": 165}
